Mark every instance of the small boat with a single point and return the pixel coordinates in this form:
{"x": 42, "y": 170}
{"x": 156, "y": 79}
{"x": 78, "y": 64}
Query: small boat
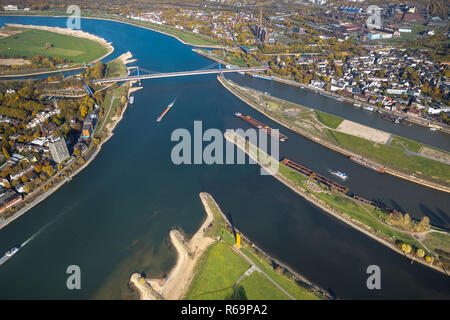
{"x": 131, "y": 99}
{"x": 358, "y": 105}
{"x": 368, "y": 108}
{"x": 9, "y": 254}
{"x": 339, "y": 174}
{"x": 433, "y": 129}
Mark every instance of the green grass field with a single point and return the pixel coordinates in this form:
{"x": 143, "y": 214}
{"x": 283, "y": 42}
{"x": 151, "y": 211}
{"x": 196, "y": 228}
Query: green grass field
{"x": 328, "y": 119}
{"x": 219, "y": 268}
{"x": 110, "y": 108}
{"x": 258, "y": 287}
{"x": 406, "y": 144}
{"x": 393, "y": 157}
{"x": 33, "y": 42}
{"x": 187, "y": 36}
{"x": 115, "y": 68}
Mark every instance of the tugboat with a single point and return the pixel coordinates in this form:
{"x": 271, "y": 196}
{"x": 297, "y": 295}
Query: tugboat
{"x": 339, "y": 174}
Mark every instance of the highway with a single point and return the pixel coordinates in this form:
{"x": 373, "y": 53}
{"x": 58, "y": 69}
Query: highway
{"x": 179, "y": 74}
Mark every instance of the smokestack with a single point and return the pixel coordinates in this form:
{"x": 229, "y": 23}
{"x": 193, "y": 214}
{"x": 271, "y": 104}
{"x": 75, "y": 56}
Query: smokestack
{"x": 260, "y": 17}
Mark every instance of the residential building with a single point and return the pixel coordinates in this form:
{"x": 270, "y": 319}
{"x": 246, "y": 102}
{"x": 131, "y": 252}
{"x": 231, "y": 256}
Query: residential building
{"x": 58, "y": 149}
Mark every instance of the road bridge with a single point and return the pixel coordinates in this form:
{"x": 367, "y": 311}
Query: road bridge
{"x": 179, "y": 74}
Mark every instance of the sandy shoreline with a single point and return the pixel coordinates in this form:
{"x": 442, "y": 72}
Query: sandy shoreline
{"x": 353, "y": 223}
{"x": 121, "y": 21}
{"x": 177, "y": 282}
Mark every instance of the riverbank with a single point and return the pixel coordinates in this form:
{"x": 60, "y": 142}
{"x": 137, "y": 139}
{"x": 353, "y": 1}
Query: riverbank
{"x": 321, "y": 199}
{"x": 63, "y": 51}
{"x": 209, "y": 266}
{"x": 92, "y": 152}
{"x": 324, "y": 138}
{"x": 175, "y": 285}
{"x": 146, "y": 26}
{"x": 418, "y": 121}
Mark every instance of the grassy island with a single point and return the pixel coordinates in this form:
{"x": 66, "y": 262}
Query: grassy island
{"x": 417, "y": 240}
{"x": 396, "y": 155}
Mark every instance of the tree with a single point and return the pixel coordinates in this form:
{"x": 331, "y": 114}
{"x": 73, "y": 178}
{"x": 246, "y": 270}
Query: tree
{"x": 77, "y": 152}
{"x": 420, "y": 253}
{"x": 5, "y": 153}
{"x": 406, "y": 219}
{"x": 424, "y": 224}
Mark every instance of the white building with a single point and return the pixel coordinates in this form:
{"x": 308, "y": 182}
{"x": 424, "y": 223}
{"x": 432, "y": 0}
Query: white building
{"x": 10, "y": 7}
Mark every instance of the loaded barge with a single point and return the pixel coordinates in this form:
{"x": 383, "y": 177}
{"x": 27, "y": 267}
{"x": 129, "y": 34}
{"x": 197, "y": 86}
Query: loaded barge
{"x": 312, "y": 174}
{"x": 165, "y": 111}
{"x": 332, "y": 184}
{"x": 367, "y": 164}
{"x": 262, "y": 126}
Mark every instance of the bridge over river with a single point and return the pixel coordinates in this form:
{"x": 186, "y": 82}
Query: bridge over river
{"x": 179, "y": 74}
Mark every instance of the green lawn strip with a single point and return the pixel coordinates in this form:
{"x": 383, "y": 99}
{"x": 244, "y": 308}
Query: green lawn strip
{"x": 218, "y": 269}
{"x": 436, "y": 240}
{"x": 117, "y": 93}
{"x": 393, "y": 157}
{"x": 33, "y": 42}
{"x": 258, "y": 287}
{"x": 186, "y": 36}
{"x": 369, "y": 216}
{"x": 115, "y": 68}
{"x": 328, "y": 119}
{"x": 355, "y": 211}
{"x": 403, "y": 143}
{"x": 289, "y": 285}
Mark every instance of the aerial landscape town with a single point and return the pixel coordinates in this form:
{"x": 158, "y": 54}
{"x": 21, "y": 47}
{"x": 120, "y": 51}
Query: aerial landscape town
{"x": 116, "y": 123}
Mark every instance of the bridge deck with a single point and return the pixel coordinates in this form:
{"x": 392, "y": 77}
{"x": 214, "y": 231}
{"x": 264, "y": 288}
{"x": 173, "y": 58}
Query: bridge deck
{"x": 179, "y": 74}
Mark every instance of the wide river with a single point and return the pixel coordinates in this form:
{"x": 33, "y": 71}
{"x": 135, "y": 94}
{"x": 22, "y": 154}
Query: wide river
{"x": 114, "y": 217}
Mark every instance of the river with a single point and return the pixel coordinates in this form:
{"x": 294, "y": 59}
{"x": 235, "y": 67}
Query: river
{"x": 114, "y": 217}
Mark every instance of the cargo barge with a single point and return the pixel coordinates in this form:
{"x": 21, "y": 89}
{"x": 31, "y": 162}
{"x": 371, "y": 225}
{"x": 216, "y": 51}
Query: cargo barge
{"x": 262, "y": 77}
{"x": 367, "y": 164}
{"x": 312, "y": 174}
{"x": 332, "y": 184}
{"x": 261, "y": 126}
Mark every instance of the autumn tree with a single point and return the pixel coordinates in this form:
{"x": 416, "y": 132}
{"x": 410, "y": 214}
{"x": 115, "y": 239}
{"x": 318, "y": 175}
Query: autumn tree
{"x": 420, "y": 253}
